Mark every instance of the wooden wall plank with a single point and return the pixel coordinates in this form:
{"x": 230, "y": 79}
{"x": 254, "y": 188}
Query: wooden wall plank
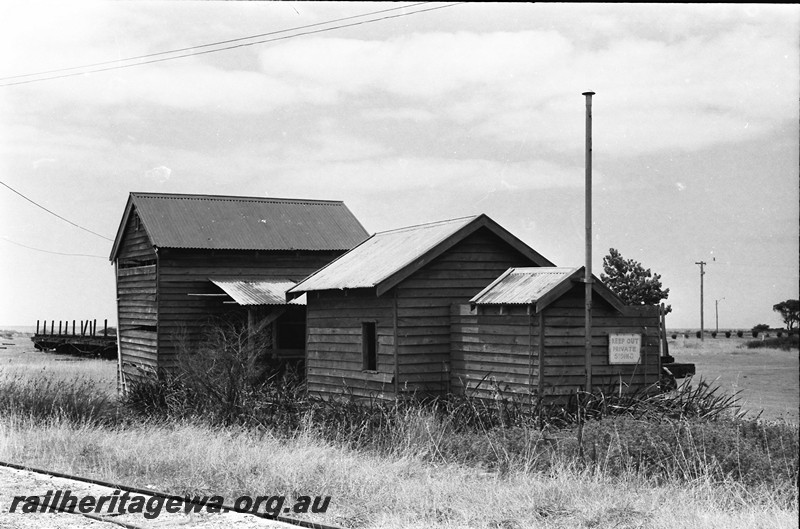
{"x": 424, "y": 300}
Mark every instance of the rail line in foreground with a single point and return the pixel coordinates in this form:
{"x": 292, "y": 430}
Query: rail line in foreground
{"x": 154, "y": 493}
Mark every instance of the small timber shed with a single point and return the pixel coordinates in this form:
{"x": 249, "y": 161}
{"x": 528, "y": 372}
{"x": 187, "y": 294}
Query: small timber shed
{"x": 182, "y": 260}
{"x": 524, "y": 335}
{"x": 378, "y": 318}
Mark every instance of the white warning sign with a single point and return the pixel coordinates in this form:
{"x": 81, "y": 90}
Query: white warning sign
{"x": 624, "y": 348}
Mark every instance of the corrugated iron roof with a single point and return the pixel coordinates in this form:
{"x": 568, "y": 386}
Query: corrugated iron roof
{"x": 245, "y": 223}
{"x": 258, "y": 291}
{"x": 382, "y": 255}
{"x": 522, "y": 286}
{"x": 539, "y": 286}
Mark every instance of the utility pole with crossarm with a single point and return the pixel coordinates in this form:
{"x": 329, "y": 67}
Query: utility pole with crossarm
{"x": 702, "y": 273}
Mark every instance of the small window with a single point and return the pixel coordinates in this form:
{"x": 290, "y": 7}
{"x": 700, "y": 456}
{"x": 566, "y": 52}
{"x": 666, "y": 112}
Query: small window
{"x": 369, "y": 346}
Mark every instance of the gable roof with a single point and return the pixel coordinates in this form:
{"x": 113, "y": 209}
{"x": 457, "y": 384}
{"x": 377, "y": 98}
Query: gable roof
{"x": 540, "y": 287}
{"x": 242, "y": 223}
{"x": 388, "y": 257}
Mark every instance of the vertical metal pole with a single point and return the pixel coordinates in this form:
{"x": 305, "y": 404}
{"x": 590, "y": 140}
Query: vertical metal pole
{"x": 588, "y": 268}
{"x": 395, "y": 348}
{"x": 702, "y": 273}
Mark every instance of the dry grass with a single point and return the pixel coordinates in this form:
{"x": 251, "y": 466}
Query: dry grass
{"x": 21, "y": 359}
{"x": 402, "y": 488}
{"x": 371, "y": 491}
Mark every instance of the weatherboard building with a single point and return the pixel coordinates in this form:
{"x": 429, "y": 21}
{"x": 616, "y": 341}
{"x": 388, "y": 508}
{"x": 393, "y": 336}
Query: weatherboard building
{"x": 460, "y": 305}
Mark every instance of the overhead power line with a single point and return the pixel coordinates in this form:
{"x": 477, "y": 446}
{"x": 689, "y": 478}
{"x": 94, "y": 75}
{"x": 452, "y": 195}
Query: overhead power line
{"x": 54, "y": 214}
{"x": 219, "y": 43}
{"x": 116, "y": 66}
{"x": 52, "y": 252}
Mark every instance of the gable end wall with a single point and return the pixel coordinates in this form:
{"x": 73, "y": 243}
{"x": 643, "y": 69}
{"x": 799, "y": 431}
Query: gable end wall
{"x": 424, "y": 301}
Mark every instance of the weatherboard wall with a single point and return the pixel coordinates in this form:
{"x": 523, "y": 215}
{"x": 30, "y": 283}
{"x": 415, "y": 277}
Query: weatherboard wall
{"x": 564, "y": 345}
{"x": 494, "y": 351}
{"x": 137, "y": 309}
{"x": 188, "y": 302}
{"x": 424, "y": 300}
{"x": 497, "y": 348}
{"x": 334, "y": 347}
{"x": 412, "y": 319}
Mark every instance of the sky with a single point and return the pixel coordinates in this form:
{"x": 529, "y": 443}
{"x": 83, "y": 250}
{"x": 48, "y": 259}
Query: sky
{"x": 444, "y": 111}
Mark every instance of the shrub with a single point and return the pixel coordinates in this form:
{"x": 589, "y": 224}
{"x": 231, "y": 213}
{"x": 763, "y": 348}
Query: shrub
{"x": 674, "y": 336}
{"x": 685, "y": 335}
{"x": 727, "y": 334}
{"x": 698, "y": 334}
{"x": 786, "y": 343}
{"x": 780, "y": 334}
{"x": 225, "y": 380}
{"x": 713, "y": 334}
{"x": 755, "y": 334}
{"x": 739, "y": 334}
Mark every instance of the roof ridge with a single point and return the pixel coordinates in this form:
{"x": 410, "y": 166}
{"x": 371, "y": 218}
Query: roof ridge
{"x": 544, "y": 269}
{"x": 236, "y": 198}
{"x": 427, "y": 224}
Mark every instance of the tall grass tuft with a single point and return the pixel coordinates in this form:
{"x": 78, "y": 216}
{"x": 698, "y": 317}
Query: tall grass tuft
{"x": 45, "y": 397}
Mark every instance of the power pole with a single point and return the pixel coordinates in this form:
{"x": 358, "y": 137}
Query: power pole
{"x": 588, "y": 268}
{"x": 716, "y": 311}
{"x": 702, "y": 273}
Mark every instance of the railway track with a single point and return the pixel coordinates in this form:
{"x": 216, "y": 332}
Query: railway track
{"x": 18, "y": 479}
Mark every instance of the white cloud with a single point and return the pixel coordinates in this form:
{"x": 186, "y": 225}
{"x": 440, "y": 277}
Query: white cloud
{"x": 658, "y": 87}
{"x": 41, "y": 162}
{"x": 408, "y": 174}
{"x": 159, "y": 174}
{"x": 524, "y": 86}
{"x": 399, "y": 114}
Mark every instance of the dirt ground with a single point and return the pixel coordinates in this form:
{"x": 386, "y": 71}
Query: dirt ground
{"x": 767, "y": 379}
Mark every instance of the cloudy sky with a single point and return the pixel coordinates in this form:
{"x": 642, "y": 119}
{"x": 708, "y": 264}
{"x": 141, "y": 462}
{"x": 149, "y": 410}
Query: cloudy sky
{"x": 471, "y": 108}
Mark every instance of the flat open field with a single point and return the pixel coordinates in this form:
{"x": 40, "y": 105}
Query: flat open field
{"x": 767, "y": 379}
{"x": 19, "y": 356}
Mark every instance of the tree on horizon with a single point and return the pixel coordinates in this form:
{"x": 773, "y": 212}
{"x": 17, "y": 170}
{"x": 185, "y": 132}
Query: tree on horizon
{"x": 632, "y": 282}
{"x": 789, "y": 311}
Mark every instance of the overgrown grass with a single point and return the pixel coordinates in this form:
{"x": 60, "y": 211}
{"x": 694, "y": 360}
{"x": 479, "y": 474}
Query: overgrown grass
{"x": 460, "y": 462}
{"x": 394, "y": 491}
{"x": 689, "y": 434}
{"x": 445, "y": 462}
{"x": 46, "y": 397}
